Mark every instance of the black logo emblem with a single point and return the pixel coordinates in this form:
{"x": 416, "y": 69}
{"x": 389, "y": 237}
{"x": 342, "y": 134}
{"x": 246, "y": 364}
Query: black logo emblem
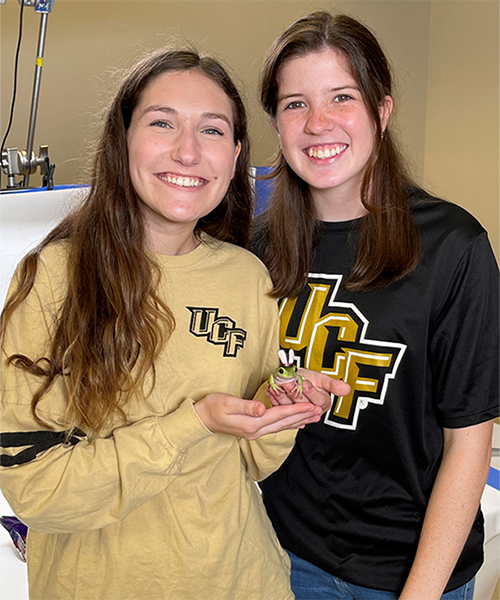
{"x": 331, "y": 337}
{"x": 205, "y": 322}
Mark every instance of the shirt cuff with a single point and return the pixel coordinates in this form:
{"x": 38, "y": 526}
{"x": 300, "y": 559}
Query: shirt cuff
{"x": 183, "y": 427}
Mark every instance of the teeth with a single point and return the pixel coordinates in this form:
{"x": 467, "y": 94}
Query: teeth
{"x": 182, "y": 181}
{"x": 325, "y": 152}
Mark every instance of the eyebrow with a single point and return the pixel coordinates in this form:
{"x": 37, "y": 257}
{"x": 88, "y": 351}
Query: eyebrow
{"x": 211, "y": 115}
{"x": 171, "y": 111}
{"x": 158, "y": 108}
{"x": 300, "y": 95}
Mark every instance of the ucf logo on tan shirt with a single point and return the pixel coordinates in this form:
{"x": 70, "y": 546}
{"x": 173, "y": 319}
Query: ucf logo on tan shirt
{"x": 331, "y": 337}
{"x": 218, "y": 330}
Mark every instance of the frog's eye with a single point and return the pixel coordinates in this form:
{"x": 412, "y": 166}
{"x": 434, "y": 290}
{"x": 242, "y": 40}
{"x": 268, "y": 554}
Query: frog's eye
{"x": 282, "y": 371}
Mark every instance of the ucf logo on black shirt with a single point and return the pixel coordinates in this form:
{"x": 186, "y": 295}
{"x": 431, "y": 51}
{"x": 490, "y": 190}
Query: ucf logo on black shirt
{"x": 331, "y": 337}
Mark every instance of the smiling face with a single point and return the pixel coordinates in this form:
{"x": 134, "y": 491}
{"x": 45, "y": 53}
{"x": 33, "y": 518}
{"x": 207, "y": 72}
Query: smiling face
{"x": 182, "y": 155}
{"x": 326, "y": 132}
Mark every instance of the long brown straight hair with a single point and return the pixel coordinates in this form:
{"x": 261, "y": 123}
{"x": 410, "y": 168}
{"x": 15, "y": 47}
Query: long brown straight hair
{"x": 113, "y": 324}
{"x": 389, "y": 243}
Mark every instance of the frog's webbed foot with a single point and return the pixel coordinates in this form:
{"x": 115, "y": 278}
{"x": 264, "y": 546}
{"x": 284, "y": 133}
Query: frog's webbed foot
{"x": 300, "y": 383}
{"x": 296, "y": 392}
{"x": 292, "y": 389}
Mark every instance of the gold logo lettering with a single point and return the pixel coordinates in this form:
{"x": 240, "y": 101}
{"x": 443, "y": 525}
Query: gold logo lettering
{"x": 330, "y": 337}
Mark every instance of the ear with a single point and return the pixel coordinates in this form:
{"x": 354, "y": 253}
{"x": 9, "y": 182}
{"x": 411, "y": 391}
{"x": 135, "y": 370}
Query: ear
{"x": 282, "y": 357}
{"x": 385, "y": 110}
{"x": 274, "y": 124}
{"x": 237, "y": 151}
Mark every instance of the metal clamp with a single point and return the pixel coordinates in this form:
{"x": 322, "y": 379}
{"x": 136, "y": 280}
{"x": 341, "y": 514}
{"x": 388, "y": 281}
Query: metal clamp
{"x": 16, "y": 162}
{"x": 24, "y": 162}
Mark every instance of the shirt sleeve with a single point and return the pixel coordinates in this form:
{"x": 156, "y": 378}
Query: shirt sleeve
{"x": 265, "y": 455}
{"x": 464, "y": 346}
{"x": 57, "y": 483}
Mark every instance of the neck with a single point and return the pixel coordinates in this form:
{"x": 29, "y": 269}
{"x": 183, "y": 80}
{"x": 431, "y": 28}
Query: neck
{"x": 336, "y": 205}
{"x": 172, "y": 243}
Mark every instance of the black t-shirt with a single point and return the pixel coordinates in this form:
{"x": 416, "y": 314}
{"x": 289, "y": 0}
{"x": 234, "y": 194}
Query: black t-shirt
{"x": 420, "y": 355}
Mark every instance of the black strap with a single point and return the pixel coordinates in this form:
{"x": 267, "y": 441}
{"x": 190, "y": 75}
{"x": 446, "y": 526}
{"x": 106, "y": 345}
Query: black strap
{"x": 34, "y": 442}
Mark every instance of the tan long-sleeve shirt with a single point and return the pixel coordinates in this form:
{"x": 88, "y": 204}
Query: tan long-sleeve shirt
{"x": 157, "y": 508}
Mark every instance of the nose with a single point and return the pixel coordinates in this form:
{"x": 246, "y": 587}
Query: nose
{"x": 319, "y": 119}
{"x": 186, "y": 150}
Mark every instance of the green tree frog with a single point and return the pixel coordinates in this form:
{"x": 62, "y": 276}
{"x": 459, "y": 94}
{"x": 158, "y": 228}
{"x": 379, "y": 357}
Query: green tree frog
{"x": 286, "y": 373}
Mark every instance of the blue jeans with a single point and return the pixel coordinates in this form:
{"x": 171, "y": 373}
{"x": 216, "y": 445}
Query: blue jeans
{"x": 312, "y": 583}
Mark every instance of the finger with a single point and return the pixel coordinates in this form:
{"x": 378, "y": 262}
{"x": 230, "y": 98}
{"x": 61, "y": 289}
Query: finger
{"x": 318, "y": 397}
{"x": 300, "y": 424}
{"x": 291, "y": 389}
{"x": 249, "y": 408}
{"x": 277, "y": 397}
{"x": 255, "y": 409}
{"x": 291, "y": 422}
{"x": 325, "y": 382}
{"x": 312, "y": 392}
{"x": 278, "y": 418}
{"x": 297, "y": 410}
{"x": 284, "y": 399}
{"x": 339, "y": 388}
{"x": 272, "y": 396}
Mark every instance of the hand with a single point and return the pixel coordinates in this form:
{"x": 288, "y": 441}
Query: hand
{"x": 316, "y": 389}
{"x": 249, "y": 419}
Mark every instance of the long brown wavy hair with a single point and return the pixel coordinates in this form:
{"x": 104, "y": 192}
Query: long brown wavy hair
{"x": 389, "y": 245}
{"x": 113, "y": 324}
